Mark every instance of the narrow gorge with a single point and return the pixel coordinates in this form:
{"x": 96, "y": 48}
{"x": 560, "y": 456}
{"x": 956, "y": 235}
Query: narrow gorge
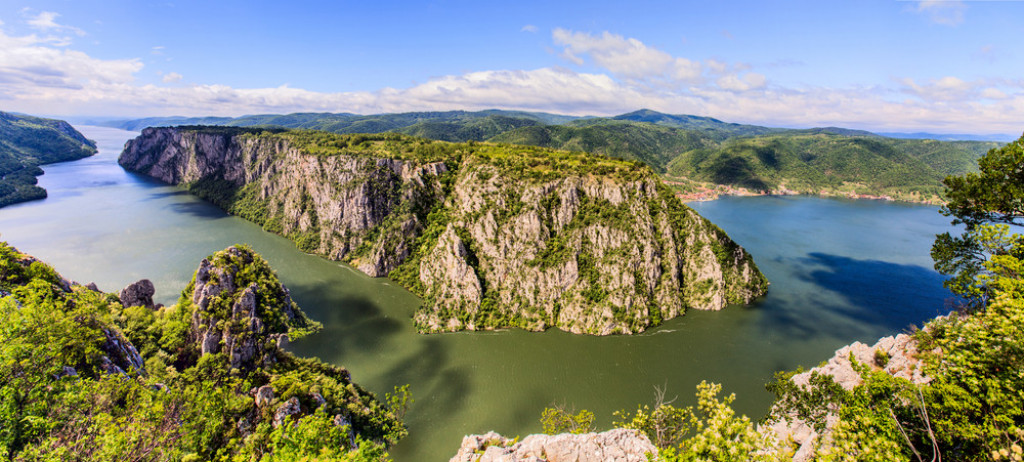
{"x": 488, "y": 235}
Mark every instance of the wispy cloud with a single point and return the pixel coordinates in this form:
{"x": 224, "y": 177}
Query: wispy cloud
{"x": 172, "y": 77}
{"x": 528, "y": 28}
{"x": 46, "y": 21}
{"x": 945, "y": 12}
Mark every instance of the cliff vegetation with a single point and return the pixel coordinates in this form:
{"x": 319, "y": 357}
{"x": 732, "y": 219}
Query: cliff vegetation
{"x": 91, "y": 376}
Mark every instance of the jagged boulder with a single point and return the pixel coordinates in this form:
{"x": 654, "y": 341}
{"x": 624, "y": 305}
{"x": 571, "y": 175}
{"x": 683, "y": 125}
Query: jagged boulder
{"x": 137, "y": 294}
{"x": 619, "y": 445}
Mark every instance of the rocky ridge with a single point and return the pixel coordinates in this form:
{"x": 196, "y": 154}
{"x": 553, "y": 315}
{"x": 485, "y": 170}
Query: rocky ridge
{"x": 490, "y": 236}
{"x": 619, "y": 445}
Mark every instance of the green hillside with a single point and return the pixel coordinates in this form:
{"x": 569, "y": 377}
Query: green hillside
{"x": 652, "y": 144}
{"x": 26, "y": 143}
{"x": 832, "y": 163}
{"x": 710, "y": 126}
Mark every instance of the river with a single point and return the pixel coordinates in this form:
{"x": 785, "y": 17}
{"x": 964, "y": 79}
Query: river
{"x": 840, "y": 271}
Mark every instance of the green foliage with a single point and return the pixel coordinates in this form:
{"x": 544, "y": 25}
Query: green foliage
{"x": 815, "y": 161}
{"x": 58, "y": 400}
{"x": 986, "y": 202}
{"x": 559, "y": 420}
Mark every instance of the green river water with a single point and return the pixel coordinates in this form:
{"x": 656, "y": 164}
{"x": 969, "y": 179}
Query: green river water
{"x": 840, "y": 271}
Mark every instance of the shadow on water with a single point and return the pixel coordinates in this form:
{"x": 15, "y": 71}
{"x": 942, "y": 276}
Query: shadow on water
{"x": 198, "y": 209}
{"x": 351, "y": 324}
{"x": 860, "y": 298}
{"x": 166, "y": 194}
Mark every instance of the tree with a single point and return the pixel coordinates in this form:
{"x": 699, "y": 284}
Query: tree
{"x": 988, "y": 203}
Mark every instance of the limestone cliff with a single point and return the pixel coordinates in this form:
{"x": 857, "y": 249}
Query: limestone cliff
{"x": 489, "y": 235}
{"x": 618, "y": 445}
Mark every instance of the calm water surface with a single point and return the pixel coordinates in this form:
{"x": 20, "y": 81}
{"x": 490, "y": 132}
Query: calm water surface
{"x": 840, "y": 271}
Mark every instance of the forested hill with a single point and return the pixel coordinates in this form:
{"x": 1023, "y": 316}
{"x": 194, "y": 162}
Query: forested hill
{"x": 26, "y": 143}
{"x": 822, "y": 162}
{"x": 829, "y": 160}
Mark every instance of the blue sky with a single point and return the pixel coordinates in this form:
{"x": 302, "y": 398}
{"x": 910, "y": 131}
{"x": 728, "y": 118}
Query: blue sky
{"x": 940, "y": 66}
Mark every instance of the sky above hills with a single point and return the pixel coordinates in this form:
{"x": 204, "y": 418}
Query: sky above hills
{"x": 939, "y": 66}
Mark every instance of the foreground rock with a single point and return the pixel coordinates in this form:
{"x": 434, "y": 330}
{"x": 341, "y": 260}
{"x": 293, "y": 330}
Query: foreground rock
{"x": 895, "y": 355}
{"x": 619, "y": 445}
{"x": 137, "y": 294}
{"x": 490, "y": 236}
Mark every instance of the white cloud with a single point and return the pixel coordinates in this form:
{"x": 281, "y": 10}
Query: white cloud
{"x": 172, "y": 77}
{"x": 28, "y": 62}
{"x": 46, "y": 21}
{"x": 624, "y": 57}
{"x": 38, "y": 77}
{"x": 945, "y": 12}
{"x": 528, "y": 28}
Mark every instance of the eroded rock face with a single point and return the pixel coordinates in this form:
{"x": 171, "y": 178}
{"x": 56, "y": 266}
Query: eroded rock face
{"x": 619, "y": 445}
{"x": 586, "y": 253}
{"x": 229, "y": 318}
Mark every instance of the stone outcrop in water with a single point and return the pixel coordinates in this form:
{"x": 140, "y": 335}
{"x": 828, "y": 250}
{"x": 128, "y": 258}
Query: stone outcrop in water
{"x": 490, "y": 236}
{"x": 619, "y": 445}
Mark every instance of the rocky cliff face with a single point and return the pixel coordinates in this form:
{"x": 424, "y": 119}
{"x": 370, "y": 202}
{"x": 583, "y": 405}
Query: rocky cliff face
{"x": 895, "y": 355}
{"x": 490, "y": 236}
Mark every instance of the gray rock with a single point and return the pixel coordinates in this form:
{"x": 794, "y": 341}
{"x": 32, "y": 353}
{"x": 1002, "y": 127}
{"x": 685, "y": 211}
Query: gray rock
{"x": 619, "y": 445}
{"x": 138, "y": 294}
{"x": 286, "y": 410}
{"x": 263, "y": 395}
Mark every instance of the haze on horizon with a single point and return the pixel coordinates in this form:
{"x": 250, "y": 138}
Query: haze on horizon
{"x": 937, "y": 66}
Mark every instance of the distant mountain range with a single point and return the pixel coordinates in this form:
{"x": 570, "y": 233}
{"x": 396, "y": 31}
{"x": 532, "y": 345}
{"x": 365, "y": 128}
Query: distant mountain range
{"x": 1000, "y": 137}
{"x": 830, "y": 160}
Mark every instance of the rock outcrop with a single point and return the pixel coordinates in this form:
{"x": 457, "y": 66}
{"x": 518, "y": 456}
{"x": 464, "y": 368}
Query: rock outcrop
{"x": 238, "y": 307}
{"x": 138, "y": 293}
{"x": 895, "y": 355}
{"x": 490, "y": 236}
{"x": 619, "y": 445}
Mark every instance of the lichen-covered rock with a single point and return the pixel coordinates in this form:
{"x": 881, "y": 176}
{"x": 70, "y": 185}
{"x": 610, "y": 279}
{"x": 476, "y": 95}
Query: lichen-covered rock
{"x": 600, "y": 250}
{"x": 619, "y": 445}
{"x": 286, "y": 410}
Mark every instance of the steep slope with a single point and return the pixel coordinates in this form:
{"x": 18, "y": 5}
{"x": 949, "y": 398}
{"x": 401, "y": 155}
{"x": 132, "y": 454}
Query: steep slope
{"x": 490, "y": 235}
{"x": 26, "y": 143}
